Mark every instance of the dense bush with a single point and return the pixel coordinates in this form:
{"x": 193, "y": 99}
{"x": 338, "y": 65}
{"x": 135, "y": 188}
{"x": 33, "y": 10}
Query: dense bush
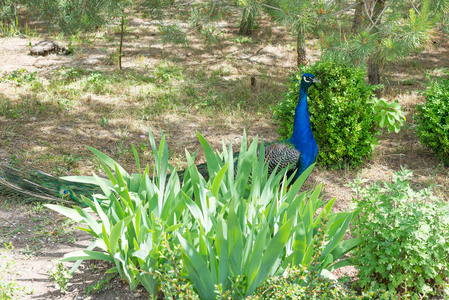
{"x": 405, "y": 234}
{"x": 342, "y": 122}
{"x": 433, "y": 118}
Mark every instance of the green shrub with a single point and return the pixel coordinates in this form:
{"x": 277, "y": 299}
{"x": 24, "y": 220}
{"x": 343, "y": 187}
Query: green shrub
{"x": 405, "y": 234}
{"x": 342, "y": 122}
{"x": 433, "y": 118}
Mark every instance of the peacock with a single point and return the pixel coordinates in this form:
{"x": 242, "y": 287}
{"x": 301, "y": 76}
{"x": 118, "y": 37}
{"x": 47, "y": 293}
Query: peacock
{"x": 298, "y": 152}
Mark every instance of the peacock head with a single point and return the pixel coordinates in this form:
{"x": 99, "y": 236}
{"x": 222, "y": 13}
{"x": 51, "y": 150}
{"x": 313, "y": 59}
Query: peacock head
{"x": 307, "y": 80}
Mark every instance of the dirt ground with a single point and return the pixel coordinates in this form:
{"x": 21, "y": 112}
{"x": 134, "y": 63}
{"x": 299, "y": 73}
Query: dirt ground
{"x": 40, "y": 236}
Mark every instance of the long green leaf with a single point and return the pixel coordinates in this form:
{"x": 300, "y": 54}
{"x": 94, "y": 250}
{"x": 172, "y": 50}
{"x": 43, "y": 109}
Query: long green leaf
{"x": 337, "y": 237}
{"x": 271, "y": 254}
{"x": 218, "y": 179}
{"x": 211, "y": 160}
{"x": 197, "y": 269}
{"x": 108, "y": 161}
{"x": 68, "y": 212}
{"x": 86, "y": 255}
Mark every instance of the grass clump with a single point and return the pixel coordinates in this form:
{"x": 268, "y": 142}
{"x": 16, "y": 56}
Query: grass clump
{"x": 405, "y": 246}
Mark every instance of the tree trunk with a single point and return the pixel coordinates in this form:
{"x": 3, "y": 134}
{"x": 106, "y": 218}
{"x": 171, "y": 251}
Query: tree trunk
{"x": 247, "y": 23}
{"x": 121, "y": 43}
{"x": 301, "y": 60}
{"x": 373, "y": 63}
{"x": 373, "y": 71}
{"x": 358, "y": 17}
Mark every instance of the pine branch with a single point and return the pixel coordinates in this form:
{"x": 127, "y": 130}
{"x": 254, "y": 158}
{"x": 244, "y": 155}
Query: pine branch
{"x": 414, "y": 7}
{"x": 379, "y": 16}
{"x": 345, "y": 9}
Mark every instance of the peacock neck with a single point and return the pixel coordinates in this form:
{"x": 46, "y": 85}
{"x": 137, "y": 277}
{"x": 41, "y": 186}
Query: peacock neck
{"x": 302, "y": 137}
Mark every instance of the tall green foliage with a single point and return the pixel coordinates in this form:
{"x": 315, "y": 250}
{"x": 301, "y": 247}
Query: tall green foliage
{"x": 132, "y": 222}
{"x": 247, "y": 225}
{"x": 433, "y": 118}
{"x": 234, "y": 229}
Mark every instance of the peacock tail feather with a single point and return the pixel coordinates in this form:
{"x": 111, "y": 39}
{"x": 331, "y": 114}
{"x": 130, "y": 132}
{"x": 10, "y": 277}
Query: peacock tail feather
{"x": 43, "y": 186}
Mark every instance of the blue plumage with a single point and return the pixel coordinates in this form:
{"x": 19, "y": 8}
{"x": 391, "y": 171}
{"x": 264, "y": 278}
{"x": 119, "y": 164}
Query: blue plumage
{"x": 301, "y": 149}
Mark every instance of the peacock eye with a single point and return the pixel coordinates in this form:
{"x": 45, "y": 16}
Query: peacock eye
{"x": 307, "y": 79}
{"x": 63, "y": 192}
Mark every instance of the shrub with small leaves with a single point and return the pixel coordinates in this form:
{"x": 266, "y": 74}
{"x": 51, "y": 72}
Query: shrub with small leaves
{"x": 405, "y": 234}
{"x": 174, "y": 282}
{"x": 432, "y": 118}
{"x": 342, "y": 120}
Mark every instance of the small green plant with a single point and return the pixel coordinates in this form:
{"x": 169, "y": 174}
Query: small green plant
{"x": 387, "y": 115}
{"x": 405, "y": 246}
{"x": 165, "y": 72}
{"x": 344, "y": 123}
{"x": 99, "y": 286}
{"x": 98, "y": 83}
{"x": 432, "y": 118}
{"x": 61, "y": 276}
{"x": 171, "y": 274}
{"x": 21, "y": 76}
{"x": 14, "y": 160}
{"x": 243, "y": 40}
{"x": 104, "y": 122}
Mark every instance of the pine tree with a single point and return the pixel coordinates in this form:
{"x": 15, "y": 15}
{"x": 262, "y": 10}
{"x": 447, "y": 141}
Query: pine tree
{"x": 74, "y": 16}
{"x": 366, "y": 32}
{"x": 250, "y": 12}
{"x": 385, "y": 31}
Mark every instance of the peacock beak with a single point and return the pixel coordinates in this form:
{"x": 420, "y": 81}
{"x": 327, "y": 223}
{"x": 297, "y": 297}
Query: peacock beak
{"x": 315, "y": 80}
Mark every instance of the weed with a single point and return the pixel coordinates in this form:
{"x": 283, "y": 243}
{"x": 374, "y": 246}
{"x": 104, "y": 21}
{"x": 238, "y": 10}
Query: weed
{"x": 29, "y": 251}
{"x": 405, "y": 247}
{"x": 243, "y": 40}
{"x": 61, "y": 276}
{"x": 104, "y": 122}
{"x": 98, "y": 287}
{"x": 21, "y": 76}
{"x": 14, "y": 160}
{"x": 166, "y": 71}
